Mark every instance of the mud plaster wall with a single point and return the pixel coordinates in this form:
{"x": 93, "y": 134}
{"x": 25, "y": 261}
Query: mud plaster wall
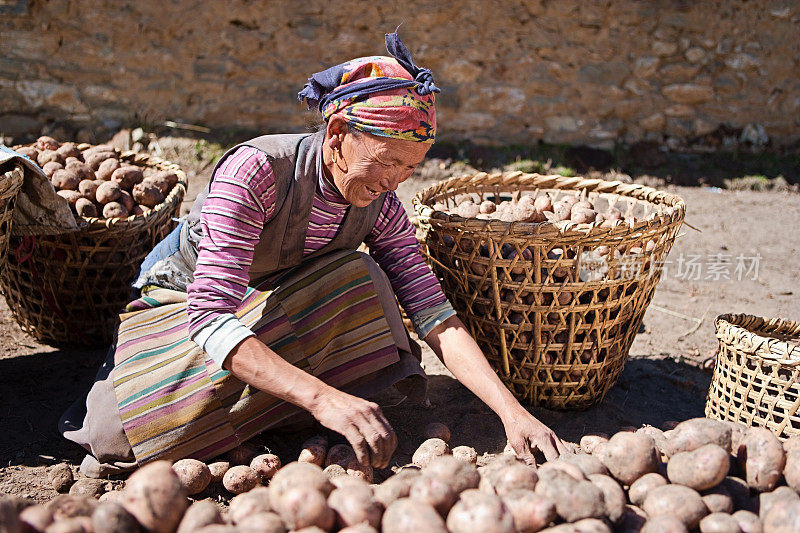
{"x": 568, "y": 71}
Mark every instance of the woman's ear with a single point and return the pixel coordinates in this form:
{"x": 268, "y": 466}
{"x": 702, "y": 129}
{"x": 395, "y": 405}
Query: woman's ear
{"x": 337, "y": 127}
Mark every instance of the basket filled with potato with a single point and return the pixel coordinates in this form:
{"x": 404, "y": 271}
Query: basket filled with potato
{"x": 552, "y": 275}
{"x": 10, "y": 183}
{"x": 70, "y": 288}
{"x": 756, "y": 378}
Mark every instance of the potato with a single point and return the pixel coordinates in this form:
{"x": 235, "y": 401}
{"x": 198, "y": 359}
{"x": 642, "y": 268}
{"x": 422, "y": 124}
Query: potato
{"x": 791, "y": 444}
{"x": 249, "y": 503}
{"x": 107, "y": 192}
{"x": 574, "y": 499}
{"x": 88, "y": 188}
{"x": 718, "y": 500}
{"x": 629, "y": 456}
{"x": 86, "y": 486}
{"x": 589, "y": 442}
{"x": 304, "y": 506}
{"x": 466, "y": 454}
{"x": 570, "y": 469}
{"x": 114, "y": 210}
{"x": 82, "y": 169}
{"x": 479, "y": 511}
{"x": 261, "y": 523}
{"x": 60, "y": 477}
{"x": 334, "y": 471}
{"x": 359, "y": 528}
{"x": 218, "y": 469}
{"x": 46, "y": 142}
{"x": 588, "y": 464}
{"x": 692, "y": 434}
{"x": 71, "y": 197}
{"x": 111, "y": 517}
{"x": 314, "y": 450}
{"x": 9, "y": 519}
{"x": 641, "y": 487}
{"x": 488, "y": 207}
{"x": 51, "y": 167}
{"x": 79, "y": 524}
{"x": 543, "y": 203}
{"x": 530, "y": 511}
{"x": 155, "y": 496}
{"x": 677, "y": 501}
{"x": 791, "y": 470}
{"x": 68, "y": 150}
{"x": 106, "y": 169}
{"x": 85, "y": 208}
{"x": 194, "y": 475}
{"x": 783, "y": 517}
{"x": 266, "y": 465}
{"x": 762, "y": 458}
{"x": 591, "y": 525}
{"x": 198, "y": 515}
{"x": 240, "y": 478}
{"x": 165, "y": 180}
{"x": 613, "y": 496}
{"x": 65, "y": 179}
{"x": 298, "y": 475}
{"x": 664, "y": 524}
{"x": 435, "y": 492}
{"x": 359, "y": 471}
{"x": 406, "y": 515}
{"x": 48, "y": 156}
{"x": 218, "y": 528}
{"x": 583, "y": 216}
{"x": 437, "y": 430}
{"x": 340, "y": 454}
{"x": 699, "y": 469}
{"x": 767, "y": 499}
{"x": 468, "y": 209}
{"x": 740, "y": 494}
{"x": 561, "y": 212}
{"x": 429, "y": 450}
{"x": 95, "y": 158}
{"x": 396, "y": 487}
{"x": 353, "y": 504}
{"x": 126, "y": 200}
{"x": 126, "y": 176}
{"x": 458, "y": 474}
{"x": 503, "y": 480}
{"x": 719, "y": 523}
{"x": 28, "y": 151}
{"x": 748, "y": 522}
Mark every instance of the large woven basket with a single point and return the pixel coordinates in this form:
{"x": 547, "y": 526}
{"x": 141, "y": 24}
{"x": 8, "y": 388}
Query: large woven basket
{"x": 69, "y": 289}
{"x": 756, "y": 378}
{"x": 556, "y": 333}
{"x": 10, "y": 183}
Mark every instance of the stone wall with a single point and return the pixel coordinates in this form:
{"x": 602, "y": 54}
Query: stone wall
{"x": 571, "y": 71}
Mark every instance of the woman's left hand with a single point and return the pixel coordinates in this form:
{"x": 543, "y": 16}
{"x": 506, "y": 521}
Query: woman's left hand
{"x": 526, "y": 433}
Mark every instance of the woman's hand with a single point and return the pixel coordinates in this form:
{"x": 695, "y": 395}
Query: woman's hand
{"x": 361, "y": 422}
{"x": 526, "y": 433}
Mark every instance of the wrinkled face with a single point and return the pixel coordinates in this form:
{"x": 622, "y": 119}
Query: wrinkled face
{"x": 369, "y": 165}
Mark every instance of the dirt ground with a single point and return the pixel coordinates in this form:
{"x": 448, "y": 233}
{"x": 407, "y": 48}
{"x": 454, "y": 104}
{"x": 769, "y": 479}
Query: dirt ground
{"x": 742, "y": 257}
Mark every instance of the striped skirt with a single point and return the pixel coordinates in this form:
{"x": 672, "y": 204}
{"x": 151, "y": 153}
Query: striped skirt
{"x": 162, "y": 397}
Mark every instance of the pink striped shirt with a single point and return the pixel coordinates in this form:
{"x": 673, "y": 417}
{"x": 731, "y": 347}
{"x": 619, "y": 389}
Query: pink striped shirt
{"x": 242, "y": 199}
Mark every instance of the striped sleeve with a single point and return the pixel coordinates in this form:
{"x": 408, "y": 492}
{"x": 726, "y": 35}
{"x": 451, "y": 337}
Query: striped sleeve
{"x": 240, "y": 201}
{"x": 393, "y": 244}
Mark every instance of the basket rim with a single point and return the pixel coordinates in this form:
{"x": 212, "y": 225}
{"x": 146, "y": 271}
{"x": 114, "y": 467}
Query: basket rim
{"x": 770, "y": 348}
{"x": 675, "y": 206}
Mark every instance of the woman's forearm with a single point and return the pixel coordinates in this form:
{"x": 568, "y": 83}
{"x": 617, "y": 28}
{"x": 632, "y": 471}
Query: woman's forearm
{"x": 454, "y": 345}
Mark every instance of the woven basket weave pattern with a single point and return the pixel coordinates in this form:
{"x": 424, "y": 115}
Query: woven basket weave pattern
{"x": 69, "y": 289}
{"x": 10, "y": 184}
{"x": 555, "y": 328}
{"x": 756, "y": 378}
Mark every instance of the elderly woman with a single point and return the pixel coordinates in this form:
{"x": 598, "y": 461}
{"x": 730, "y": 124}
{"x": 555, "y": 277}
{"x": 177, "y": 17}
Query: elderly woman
{"x": 257, "y": 308}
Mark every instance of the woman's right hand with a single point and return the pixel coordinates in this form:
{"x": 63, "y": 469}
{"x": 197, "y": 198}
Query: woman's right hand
{"x": 361, "y": 422}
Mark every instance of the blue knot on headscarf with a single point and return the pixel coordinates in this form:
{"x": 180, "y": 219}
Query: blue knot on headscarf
{"x": 321, "y": 87}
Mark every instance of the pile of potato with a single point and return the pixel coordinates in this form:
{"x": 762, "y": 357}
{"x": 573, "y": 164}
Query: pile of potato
{"x": 94, "y": 181}
{"x": 701, "y": 475}
{"x": 538, "y": 208}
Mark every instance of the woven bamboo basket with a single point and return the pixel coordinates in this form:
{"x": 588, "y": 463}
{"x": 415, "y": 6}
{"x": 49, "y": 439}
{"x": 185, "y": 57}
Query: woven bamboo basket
{"x": 10, "y": 184}
{"x": 69, "y": 289}
{"x": 555, "y": 325}
{"x": 756, "y": 378}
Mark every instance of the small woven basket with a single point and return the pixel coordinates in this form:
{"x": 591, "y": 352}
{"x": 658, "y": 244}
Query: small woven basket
{"x": 69, "y": 289}
{"x": 756, "y": 378}
{"x": 555, "y": 324}
{"x": 10, "y": 184}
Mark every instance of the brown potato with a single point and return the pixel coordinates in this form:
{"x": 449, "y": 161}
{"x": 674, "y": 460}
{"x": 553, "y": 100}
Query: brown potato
{"x": 762, "y": 458}
{"x": 95, "y": 158}
{"x": 334, "y": 471}
{"x": 111, "y": 517}
{"x": 239, "y": 479}
{"x": 126, "y": 176}
{"x": 298, "y": 475}
{"x": 429, "y": 450}
{"x": 340, "y": 454}
{"x": 571, "y": 469}
{"x": 466, "y": 454}
{"x": 242, "y": 454}
{"x": 85, "y": 208}
{"x": 51, "y": 167}
{"x": 88, "y": 188}
{"x": 106, "y": 169}
{"x": 147, "y": 194}
{"x": 46, "y": 142}
{"x": 458, "y": 474}
{"x": 589, "y": 442}
{"x": 126, "y": 200}
{"x": 405, "y": 515}
{"x": 218, "y": 469}
{"x": 198, "y": 515}
{"x": 543, "y": 203}
{"x": 766, "y": 500}
{"x": 699, "y": 469}
{"x": 28, "y": 151}
{"x": 488, "y": 207}
{"x": 48, "y": 156}
{"x": 718, "y": 499}
{"x": 629, "y": 456}
{"x": 574, "y": 499}
{"x": 262, "y": 523}
{"x": 304, "y": 506}
{"x": 155, "y": 496}
{"x": 433, "y": 491}
{"x": 314, "y": 450}
{"x": 613, "y": 496}
{"x": 396, "y": 487}
{"x": 108, "y": 192}
{"x": 249, "y": 503}
{"x": 65, "y": 179}
{"x": 589, "y": 465}
{"x": 748, "y": 522}
{"x": 503, "y": 480}
{"x": 468, "y": 209}
{"x": 791, "y": 470}
{"x": 437, "y": 430}
{"x": 691, "y": 434}
{"x": 87, "y": 486}
{"x": 480, "y": 511}
{"x": 359, "y": 471}
{"x": 664, "y": 524}
{"x": 82, "y": 169}
{"x": 165, "y": 180}
{"x": 266, "y": 465}
{"x": 80, "y": 524}
{"x": 70, "y": 505}
{"x": 194, "y": 475}
{"x": 111, "y": 496}
{"x": 353, "y": 504}
{"x": 676, "y": 501}
{"x": 719, "y": 523}
{"x": 60, "y": 477}
{"x": 359, "y": 528}
{"x": 530, "y": 511}
{"x": 70, "y": 196}
{"x": 69, "y": 150}
{"x": 114, "y": 210}
{"x": 34, "y": 518}
{"x": 583, "y": 216}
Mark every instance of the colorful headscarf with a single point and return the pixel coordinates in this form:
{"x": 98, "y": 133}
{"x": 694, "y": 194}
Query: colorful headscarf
{"x": 385, "y": 96}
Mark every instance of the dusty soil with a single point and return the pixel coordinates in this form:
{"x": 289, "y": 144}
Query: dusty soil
{"x": 663, "y": 378}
